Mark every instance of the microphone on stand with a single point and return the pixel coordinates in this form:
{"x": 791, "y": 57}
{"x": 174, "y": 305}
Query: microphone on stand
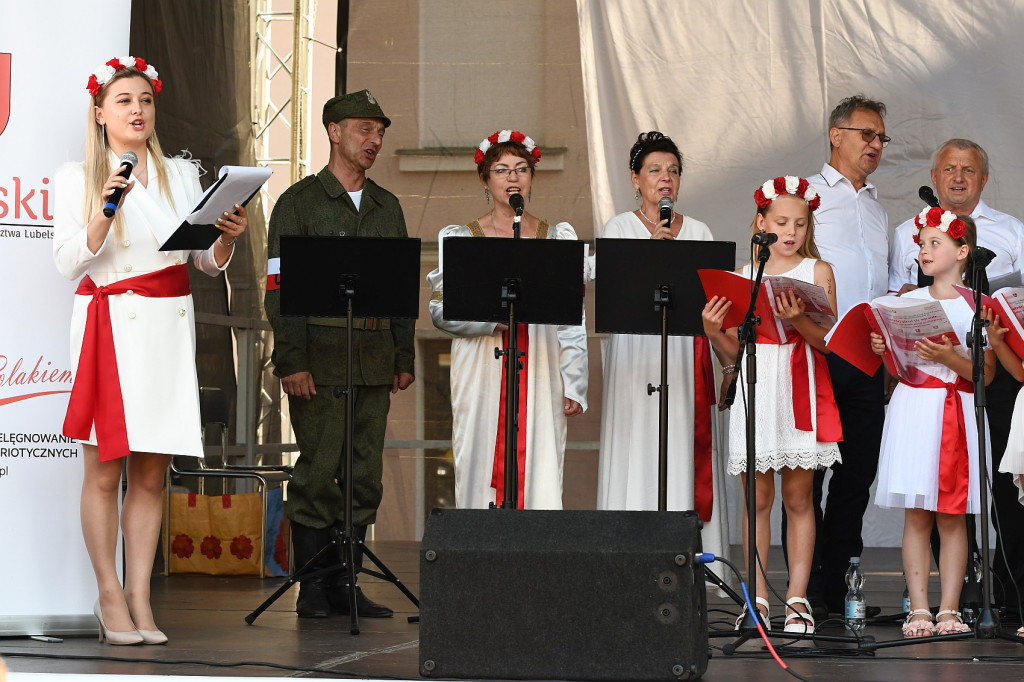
{"x": 928, "y": 196}
{"x": 665, "y": 207}
{"x": 516, "y": 202}
{"x": 129, "y": 160}
{"x": 764, "y": 238}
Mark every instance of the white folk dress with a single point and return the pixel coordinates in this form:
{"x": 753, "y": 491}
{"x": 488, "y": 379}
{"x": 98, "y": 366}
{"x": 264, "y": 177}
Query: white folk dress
{"x": 154, "y": 338}
{"x": 779, "y": 444}
{"x": 908, "y": 465}
{"x": 556, "y": 368}
{"x": 1013, "y": 458}
{"x": 627, "y": 476}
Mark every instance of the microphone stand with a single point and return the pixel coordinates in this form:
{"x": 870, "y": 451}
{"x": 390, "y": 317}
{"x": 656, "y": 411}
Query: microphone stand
{"x": 509, "y": 295}
{"x": 747, "y": 335}
{"x": 987, "y": 626}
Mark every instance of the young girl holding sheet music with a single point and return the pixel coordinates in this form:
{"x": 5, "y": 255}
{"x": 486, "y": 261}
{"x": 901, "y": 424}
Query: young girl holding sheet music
{"x": 929, "y": 455}
{"x": 798, "y": 427}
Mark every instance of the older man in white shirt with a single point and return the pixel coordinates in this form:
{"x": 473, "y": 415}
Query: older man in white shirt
{"x": 852, "y": 233}
{"x": 960, "y": 171}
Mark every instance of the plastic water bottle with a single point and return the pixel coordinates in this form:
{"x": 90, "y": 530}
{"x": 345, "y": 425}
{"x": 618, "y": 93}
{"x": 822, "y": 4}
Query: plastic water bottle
{"x": 855, "y": 607}
{"x": 906, "y": 595}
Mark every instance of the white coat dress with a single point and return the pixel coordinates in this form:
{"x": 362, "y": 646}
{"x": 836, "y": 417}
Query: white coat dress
{"x": 154, "y": 338}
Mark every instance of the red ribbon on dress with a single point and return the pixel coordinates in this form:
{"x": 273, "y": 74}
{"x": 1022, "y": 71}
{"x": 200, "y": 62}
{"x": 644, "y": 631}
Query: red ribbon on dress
{"x": 703, "y": 400}
{"x": 954, "y": 469}
{"x": 498, "y": 472}
{"x": 830, "y": 429}
{"x": 96, "y": 394}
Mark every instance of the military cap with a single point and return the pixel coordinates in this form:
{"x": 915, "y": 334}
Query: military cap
{"x": 353, "y": 105}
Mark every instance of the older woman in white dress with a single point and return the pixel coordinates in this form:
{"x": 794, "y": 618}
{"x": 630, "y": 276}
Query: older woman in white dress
{"x": 628, "y": 464}
{"x": 554, "y": 378}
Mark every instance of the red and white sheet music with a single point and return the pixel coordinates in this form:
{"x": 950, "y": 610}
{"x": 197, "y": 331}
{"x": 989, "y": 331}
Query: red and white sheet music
{"x": 736, "y": 288}
{"x": 902, "y": 322}
{"x": 1008, "y": 304}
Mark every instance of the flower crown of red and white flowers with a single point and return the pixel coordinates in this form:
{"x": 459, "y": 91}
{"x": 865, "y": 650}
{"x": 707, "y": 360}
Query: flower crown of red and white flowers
{"x": 942, "y": 220}
{"x": 787, "y": 184}
{"x": 107, "y": 71}
{"x": 507, "y": 136}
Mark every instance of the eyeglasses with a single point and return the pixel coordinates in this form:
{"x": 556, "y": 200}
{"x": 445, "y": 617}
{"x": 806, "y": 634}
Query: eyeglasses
{"x": 867, "y": 134}
{"x": 518, "y": 170}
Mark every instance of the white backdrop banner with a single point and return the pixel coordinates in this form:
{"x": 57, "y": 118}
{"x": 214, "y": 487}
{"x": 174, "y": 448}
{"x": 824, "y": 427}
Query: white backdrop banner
{"x": 745, "y": 88}
{"x": 47, "y": 51}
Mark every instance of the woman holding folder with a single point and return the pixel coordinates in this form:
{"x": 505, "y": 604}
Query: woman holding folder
{"x": 132, "y": 331}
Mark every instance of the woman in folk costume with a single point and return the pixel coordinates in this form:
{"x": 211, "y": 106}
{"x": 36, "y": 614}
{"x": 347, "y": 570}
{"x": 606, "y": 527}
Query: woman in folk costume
{"x": 797, "y": 429}
{"x": 553, "y": 381}
{"x": 132, "y": 332}
{"x": 628, "y": 464}
{"x": 928, "y": 463}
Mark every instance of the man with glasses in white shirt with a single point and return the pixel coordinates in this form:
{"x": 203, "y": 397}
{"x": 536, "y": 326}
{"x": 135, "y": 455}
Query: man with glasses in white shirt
{"x": 960, "y": 171}
{"x": 852, "y": 233}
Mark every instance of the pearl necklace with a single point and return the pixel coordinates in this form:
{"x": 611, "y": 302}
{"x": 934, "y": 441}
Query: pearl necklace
{"x": 655, "y": 223}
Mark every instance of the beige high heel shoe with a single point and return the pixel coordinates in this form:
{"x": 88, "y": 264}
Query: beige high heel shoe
{"x": 152, "y": 637}
{"x": 113, "y": 636}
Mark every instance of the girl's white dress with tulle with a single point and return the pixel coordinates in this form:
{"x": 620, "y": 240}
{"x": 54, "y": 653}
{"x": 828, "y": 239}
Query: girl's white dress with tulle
{"x": 908, "y": 466}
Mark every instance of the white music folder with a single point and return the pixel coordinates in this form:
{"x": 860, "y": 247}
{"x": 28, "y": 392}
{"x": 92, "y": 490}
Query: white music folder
{"x": 235, "y": 185}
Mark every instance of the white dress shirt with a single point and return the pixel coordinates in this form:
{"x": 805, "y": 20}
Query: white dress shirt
{"x": 851, "y": 230}
{"x": 997, "y": 231}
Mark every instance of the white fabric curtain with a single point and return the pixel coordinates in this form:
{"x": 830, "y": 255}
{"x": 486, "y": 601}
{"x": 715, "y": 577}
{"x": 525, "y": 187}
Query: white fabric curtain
{"x": 745, "y": 89}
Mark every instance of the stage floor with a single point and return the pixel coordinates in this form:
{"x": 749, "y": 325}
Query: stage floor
{"x": 204, "y": 618}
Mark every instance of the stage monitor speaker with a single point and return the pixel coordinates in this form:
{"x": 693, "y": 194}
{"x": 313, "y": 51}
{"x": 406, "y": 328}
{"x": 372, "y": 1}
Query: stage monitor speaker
{"x": 562, "y": 595}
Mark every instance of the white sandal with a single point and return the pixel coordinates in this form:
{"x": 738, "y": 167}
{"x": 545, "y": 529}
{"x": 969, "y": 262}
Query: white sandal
{"x": 918, "y": 624}
{"x": 798, "y": 622}
{"x": 953, "y": 626}
{"x": 760, "y": 601}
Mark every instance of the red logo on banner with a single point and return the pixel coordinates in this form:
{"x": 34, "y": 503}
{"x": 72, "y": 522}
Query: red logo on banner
{"x": 5, "y": 90}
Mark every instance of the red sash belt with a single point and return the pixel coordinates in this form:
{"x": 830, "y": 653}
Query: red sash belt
{"x": 96, "y": 394}
{"x": 954, "y": 470}
{"x": 498, "y": 472}
{"x": 830, "y": 429}
{"x": 703, "y": 403}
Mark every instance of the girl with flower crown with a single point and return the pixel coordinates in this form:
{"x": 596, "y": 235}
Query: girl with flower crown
{"x": 797, "y": 433}
{"x": 132, "y": 331}
{"x": 928, "y": 462}
{"x": 553, "y": 378}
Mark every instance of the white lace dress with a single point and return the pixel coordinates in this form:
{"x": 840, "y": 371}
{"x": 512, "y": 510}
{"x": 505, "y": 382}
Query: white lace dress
{"x": 779, "y": 443}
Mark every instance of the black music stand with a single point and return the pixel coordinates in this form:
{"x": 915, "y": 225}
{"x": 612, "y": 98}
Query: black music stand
{"x": 634, "y": 273}
{"x": 640, "y": 282}
{"x": 346, "y": 277}
{"x": 515, "y": 281}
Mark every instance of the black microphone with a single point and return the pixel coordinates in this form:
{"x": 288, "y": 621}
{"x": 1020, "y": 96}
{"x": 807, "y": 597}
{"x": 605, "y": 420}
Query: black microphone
{"x": 516, "y": 202}
{"x": 928, "y": 196}
{"x": 983, "y": 256}
{"x": 665, "y": 206}
{"x": 764, "y": 238}
{"x": 129, "y": 160}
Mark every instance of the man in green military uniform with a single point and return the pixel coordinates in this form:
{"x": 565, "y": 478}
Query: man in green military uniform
{"x": 309, "y": 354}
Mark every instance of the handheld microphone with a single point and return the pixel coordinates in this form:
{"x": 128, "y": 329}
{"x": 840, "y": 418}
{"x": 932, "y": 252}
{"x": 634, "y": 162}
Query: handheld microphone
{"x": 129, "y": 160}
{"x": 516, "y": 202}
{"x": 665, "y": 207}
{"x": 764, "y": 238}
{"x": 928, "y": 196}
